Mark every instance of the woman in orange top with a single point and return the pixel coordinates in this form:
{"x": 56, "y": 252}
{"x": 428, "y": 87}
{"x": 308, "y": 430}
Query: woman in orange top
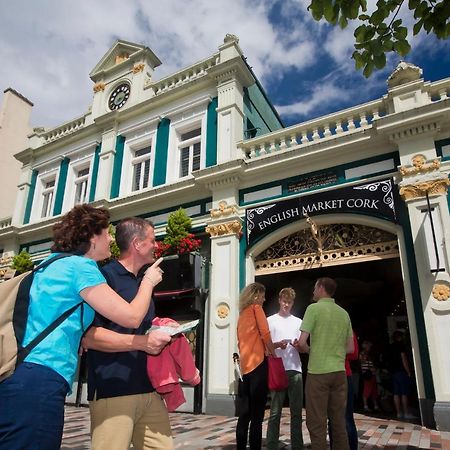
{"x": 254, "y": 342}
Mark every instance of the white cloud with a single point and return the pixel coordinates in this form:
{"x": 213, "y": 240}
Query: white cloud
{"x": 320, "y": 95}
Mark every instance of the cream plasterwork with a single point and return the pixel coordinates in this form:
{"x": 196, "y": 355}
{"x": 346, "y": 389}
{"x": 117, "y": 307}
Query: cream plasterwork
{"x": 138, "y": 67}
{"x": 99, "y": 87}
{"x": 224, "y": 229}
{"x": 422, "y": 177}
{"x": 441, "y": 292}
{"x": 419, "y": 164}
{"x": 223, "y": 210}
{"x": 223, "y": 311}
{"x": 418, "y": 190}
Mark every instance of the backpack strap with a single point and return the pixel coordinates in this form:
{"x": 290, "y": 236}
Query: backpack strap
{"x": 20, "y": 314}
{"x": 24, "y": 351}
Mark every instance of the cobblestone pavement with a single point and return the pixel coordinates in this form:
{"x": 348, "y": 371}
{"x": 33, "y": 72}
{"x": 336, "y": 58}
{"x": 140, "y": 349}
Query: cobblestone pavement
{"x": 193, "y": 432}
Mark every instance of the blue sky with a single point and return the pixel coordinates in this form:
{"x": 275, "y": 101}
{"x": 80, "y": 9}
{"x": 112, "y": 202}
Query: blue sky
{"x": 48, "y": 48}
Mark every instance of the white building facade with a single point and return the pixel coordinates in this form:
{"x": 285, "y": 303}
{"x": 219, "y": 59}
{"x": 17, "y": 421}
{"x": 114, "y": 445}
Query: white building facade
{"x": 359, "y": 193}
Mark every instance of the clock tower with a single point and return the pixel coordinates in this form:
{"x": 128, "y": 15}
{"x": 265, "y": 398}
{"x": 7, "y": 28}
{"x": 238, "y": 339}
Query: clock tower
{"x": 120, "y": 77}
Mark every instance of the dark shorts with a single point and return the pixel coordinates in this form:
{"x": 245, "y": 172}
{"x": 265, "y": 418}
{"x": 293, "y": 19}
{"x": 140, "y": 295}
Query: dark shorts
{"x": 401, "y": 383}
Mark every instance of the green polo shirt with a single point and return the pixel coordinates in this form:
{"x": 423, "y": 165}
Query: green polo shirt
{"x": 330, "y": 328}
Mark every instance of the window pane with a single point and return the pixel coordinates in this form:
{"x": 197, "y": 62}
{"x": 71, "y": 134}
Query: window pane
{"x": 196, "y": 158}
{"x": 50, "y": 184}
{"x": 146, "y": 173}
{"x": 184, "y": 166}
{"x": 142, "y": 151}
{"x": 137, "y": 176}
{"x": 80, "y": 193}
{"x": 191, "y": 134}
{"x": 83, "y": 172}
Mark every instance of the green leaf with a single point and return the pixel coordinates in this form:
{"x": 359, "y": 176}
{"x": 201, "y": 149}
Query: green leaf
{"x": 379, "y": 61}
{"x": 354, "y": 10}
{"x": 364, "y": 17}
{"x": 413, "y": 4}
{"x": 396, "y": 23}
{"x": 359, "y": 60}
{"x": 360, "y": 33}
{"x": 316, "y": 8}
{"x": 343, "y": 22}
{"x": 402, "y": 47}
{"x": 368, "y": 69}
{"x": 401, "y": 33}
{"x": 417, "y": 27}
{"x": 363, "y": 4}
{"x": 388, "y": 45}
{"x": 377, "y": 17}
{"x": 328, "y": 10}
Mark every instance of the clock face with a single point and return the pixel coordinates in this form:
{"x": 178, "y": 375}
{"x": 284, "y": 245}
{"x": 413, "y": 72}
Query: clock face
{"x": 119, "y": 96}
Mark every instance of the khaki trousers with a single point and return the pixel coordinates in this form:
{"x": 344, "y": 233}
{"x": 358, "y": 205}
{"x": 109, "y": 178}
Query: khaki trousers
{"x": 326, "y": 397}
{"x": 140, "y": 419}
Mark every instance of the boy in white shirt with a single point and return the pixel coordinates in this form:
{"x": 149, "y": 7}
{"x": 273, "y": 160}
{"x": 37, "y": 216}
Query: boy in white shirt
{"x": 284, "y": 329}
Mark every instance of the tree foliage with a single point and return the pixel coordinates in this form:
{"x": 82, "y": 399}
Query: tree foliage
{"x": 382, "y": 32}
{"x": 115, "y": 252}
{"x": 22, "y": 262}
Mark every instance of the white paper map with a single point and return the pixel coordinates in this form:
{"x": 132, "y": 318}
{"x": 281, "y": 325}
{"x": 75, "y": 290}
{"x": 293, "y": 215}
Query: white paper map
{"x": 175, "y": 330}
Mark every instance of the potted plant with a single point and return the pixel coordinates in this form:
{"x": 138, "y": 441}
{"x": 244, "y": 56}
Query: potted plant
{"x": 182, "y": 263}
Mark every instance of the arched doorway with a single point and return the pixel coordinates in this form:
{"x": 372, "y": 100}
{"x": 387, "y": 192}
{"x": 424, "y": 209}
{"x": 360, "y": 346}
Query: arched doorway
{"x": 366, "y": 263}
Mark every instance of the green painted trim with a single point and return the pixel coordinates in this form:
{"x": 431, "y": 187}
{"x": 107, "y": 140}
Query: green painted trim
{"x": 59, "y": 197}
{"x": 263, "y": 92}
{"x": 242, "y": 255}
{"x": 202, "y": 203}
{"x": 95, "y": 172}
{"x": 26, "y": 217}
{"x": 404, "y": 221}
{"x": 338, "y": 170}
{"x": 27, "y": 245}
{"x": 211, "y": 133}
{"x": 161, "y": 152}
{"x": 117, "y": 168}
{"x": 439, "y": 144}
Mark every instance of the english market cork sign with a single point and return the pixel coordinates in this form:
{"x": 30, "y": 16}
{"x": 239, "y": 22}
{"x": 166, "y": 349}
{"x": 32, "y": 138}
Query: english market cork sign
{"x": 374, "y": 199}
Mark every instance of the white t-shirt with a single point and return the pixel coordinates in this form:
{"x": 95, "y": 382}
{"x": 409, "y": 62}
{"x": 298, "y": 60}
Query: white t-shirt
{"x": 286, "y": 328}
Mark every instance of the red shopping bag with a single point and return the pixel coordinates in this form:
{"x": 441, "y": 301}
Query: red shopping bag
{"x": 278, "y": 380}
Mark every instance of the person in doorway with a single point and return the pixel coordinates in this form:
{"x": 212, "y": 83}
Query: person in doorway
{"x": 32, "y": 398}
{"x": 254, "y": 341}
{"x": 330, "y": 331}
{"x": 125, "y": 408}
{"x": 284, "y": 329}
{"x": 369, "y": 376}
{"x": 401, "y": 375}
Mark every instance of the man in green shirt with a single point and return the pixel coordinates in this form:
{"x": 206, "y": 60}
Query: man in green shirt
{"x": 330, "y": 331}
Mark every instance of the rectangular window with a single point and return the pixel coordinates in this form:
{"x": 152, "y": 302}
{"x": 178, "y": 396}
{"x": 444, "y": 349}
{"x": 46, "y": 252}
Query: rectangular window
{"x": 47, "y": 198}
{"x": 81, "y": 185}
{"x": 141, "y": 168}
{"x": 190, "y": 151}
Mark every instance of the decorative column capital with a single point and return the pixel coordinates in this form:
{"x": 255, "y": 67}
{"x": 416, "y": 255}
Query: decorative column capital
{"x": 225, "y": 229}
{"x": 422, "y": 177}
{"x": 99, "y": 87}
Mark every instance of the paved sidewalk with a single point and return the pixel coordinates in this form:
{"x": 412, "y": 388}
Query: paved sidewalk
{"x": 195, "y": 432}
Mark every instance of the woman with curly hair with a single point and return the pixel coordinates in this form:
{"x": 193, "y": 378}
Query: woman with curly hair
{"x": 254, "y": 342}
{"x": 32, "y": 398}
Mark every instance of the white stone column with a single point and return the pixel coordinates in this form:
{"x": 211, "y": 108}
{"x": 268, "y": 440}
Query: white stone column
{"x": 23, "y": 188}
{"x": 106, "y": 164}
{"x": 224, "y": 228}
{"x": 422, "y": 177}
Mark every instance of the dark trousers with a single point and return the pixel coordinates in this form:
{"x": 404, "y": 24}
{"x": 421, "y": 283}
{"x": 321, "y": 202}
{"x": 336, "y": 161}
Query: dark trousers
{"x": 252, "y": 403}
{"x": 32, "y": 409}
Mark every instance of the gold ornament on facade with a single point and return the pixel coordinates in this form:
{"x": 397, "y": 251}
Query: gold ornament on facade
{"x": 223, "y": 229}
{"x": 441, "y": 292}
{"x": 315, "y": 233}
{"x": 99, "y": 87}
{"x": 432, "y": 187}
{"x": 138, "y": 67}
{"x": 420, "y": 165}
{"x": 223, "y": 210}
{"x": 223, "y": 311}
{"x": 121, "y": 58}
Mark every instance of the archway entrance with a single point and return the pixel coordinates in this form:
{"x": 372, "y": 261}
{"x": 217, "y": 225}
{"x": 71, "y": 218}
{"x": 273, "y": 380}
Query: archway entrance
{"x": 365, "y": 262}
